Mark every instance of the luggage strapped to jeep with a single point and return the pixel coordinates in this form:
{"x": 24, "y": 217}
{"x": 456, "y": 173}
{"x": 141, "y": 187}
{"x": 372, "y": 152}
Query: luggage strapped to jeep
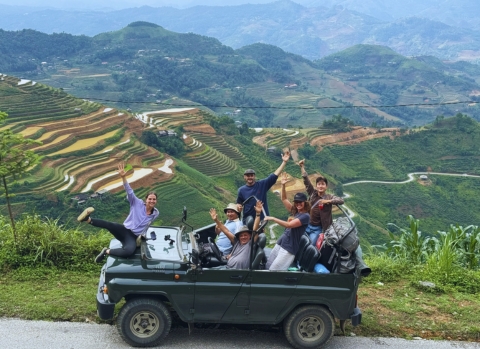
{"x": 337, "y": 252}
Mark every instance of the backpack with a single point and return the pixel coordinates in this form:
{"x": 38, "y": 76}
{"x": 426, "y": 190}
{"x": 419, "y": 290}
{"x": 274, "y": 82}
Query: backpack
{"x": 337, "y": 253}
{"x": 342, "y": 233}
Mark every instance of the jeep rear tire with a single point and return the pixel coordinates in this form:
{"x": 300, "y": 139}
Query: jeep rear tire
{"x": 309, "y": 327}
{"x": 144, "y": 322}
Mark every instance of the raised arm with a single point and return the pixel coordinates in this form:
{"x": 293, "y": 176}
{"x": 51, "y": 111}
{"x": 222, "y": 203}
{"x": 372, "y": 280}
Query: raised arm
{"x": 258, "y": 212}
{"x": 285, "y": 201}
{"x": 130, "y": 194}
{"x": 285, "y": 158}
{"x": 121, "y": 172}
{"x": 221, "y": 226}
{"x": 306, "y": 181}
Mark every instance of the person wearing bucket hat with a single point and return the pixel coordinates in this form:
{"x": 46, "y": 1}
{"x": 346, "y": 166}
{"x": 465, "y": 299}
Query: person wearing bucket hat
{"x": 258, "y": 188}
{"x": 241, "y": 241}
{"x": 287, "y": 245}
{"x": 321, "y": 202}
{"x": 232, "y": 223}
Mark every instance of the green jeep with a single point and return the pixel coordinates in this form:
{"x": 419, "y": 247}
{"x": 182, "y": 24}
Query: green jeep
{"x": 182, "y": 271}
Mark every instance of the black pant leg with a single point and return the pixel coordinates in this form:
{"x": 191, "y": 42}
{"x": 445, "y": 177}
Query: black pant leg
{"x": 122, "y": 234}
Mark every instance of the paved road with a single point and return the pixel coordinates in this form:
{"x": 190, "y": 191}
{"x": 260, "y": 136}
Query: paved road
{"x": 21, "y": 334}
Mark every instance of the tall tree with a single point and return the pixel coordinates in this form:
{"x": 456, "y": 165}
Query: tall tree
{"x": 15, "y": 160}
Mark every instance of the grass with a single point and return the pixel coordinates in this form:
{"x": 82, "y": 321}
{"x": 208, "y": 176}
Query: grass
{"x": 48, "y": 294}
{"x": 399, "y": 309}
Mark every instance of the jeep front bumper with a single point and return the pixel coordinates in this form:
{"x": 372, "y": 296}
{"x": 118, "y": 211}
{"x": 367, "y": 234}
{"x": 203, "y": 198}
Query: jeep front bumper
{"x": 105, "y": 309}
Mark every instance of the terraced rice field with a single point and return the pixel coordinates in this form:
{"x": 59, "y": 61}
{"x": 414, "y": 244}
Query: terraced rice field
{"x": 67, "y": 125}
{"x": 84, "y": 143}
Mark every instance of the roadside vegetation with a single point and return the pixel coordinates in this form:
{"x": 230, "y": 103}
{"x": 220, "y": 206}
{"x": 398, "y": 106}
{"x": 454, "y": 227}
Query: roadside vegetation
{"x": 421, "y": 286}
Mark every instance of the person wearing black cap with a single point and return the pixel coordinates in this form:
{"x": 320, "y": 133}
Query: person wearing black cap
{"x": 287, "y": 245}
{"x": 258, "y": 188}
{"x": 239, "y": 258}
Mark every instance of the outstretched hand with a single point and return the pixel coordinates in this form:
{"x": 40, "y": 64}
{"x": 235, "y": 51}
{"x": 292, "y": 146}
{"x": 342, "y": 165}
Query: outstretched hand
{"x": 121, "y": 169}
{"x": 286, "y": 156}
{"x": 301, "y": 163}
{"x": 258, "y": 207}
{"x": 213, "y": 214}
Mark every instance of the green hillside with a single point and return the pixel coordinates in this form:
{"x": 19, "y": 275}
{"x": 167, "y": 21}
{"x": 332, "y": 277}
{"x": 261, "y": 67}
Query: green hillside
{"x": 448, "y": 146}
{"x": 144, "y": 65}
{"x": 83, "y": 141}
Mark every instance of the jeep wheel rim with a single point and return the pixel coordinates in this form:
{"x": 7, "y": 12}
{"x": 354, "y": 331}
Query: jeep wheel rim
{"x": 144, "y": 324}
{"x": 310, "y": 328}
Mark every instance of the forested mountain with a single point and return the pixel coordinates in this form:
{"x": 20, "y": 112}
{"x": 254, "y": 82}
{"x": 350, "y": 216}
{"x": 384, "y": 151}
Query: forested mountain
{"x": 260, "y": 84}
{"x": 448, "y": 30}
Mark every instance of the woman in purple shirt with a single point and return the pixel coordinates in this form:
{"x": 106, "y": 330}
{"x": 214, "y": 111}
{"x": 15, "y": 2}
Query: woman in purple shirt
{"x": 142, "y": 214}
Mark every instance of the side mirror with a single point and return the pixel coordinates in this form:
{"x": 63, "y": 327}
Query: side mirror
{"x": 249, "y": 222}
{"x": 184, "y": 218}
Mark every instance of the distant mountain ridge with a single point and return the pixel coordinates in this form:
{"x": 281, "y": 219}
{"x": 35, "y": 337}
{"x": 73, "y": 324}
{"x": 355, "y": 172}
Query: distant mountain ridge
{"x": 444, "y": 30}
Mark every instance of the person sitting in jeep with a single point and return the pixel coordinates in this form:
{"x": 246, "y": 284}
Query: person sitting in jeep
{"x": 142, "y": 214}
{"x": 232, "y": 223}
{"x": 239, "y": 258}
{"x": 287, "y": 245}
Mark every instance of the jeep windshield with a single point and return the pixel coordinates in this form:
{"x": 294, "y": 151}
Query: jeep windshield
{"x": 171, "y": 244}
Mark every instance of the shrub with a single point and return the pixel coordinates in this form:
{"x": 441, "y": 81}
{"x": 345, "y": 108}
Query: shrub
{"x": 386, "y": 269}
{"x": 43, "y": 242}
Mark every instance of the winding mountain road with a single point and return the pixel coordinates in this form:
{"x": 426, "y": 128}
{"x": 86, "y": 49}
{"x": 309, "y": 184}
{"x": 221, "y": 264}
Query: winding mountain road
{"x": 411, "y": 177}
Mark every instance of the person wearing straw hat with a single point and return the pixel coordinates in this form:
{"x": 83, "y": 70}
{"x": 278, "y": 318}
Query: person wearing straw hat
{"x": 239, "y": 258}
{"x": 232, "y": 223}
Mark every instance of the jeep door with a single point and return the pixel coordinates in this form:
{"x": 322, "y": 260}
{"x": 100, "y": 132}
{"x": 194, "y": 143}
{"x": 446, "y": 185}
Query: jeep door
{"x": 270, "y": 292}
{"x": 217, "y": 290}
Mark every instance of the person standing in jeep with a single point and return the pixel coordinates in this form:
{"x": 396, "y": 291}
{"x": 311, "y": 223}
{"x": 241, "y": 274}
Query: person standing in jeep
{"x": 258, "y": 188}
{"x": 142, "y": 214}
{"x": 321, "y": 202}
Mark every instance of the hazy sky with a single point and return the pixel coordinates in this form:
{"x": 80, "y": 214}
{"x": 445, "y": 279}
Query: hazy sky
{"x": 118, "y": 4}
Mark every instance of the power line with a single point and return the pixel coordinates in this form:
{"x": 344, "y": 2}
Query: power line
{"x": 282, "y": 108}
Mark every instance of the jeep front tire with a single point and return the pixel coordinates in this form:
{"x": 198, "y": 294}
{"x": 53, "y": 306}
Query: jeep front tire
{"x": 144, "y": 322}
{"x": 309, "y": 327}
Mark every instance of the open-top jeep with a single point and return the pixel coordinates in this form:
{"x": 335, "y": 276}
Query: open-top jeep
{"x": 181, "y": 270}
